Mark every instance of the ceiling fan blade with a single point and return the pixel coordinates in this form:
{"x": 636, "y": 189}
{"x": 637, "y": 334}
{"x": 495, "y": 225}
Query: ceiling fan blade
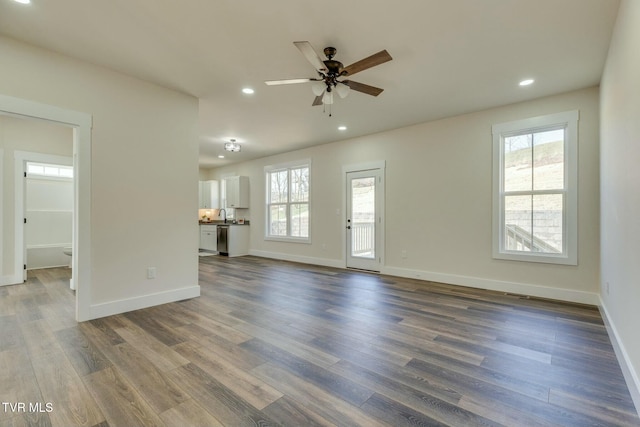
{"x": 317, "y": 101}
{"x": 311, "y": 55}
{"x": 368, "y": 62}
{"x": 361, "y": 87}
{"x": 287, "y": 81}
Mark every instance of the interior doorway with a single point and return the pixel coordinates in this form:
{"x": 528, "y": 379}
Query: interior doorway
{"x": 46, "y": 190}
{"x": 364, "y": 219}
{"x": 80, "y": 123}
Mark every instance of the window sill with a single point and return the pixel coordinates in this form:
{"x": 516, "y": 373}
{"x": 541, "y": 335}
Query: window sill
{"x": 288, "y": 239}
{"x": 540, "y": 258}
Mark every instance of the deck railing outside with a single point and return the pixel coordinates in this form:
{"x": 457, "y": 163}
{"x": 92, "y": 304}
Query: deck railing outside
{"x": 363, "y": 240}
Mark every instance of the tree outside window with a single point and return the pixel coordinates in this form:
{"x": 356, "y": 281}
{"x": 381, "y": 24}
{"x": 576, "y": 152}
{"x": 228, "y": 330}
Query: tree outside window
{"x": 288, "y": 202}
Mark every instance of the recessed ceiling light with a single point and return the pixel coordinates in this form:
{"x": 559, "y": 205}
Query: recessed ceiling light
{"x": 342, "y": 128}
{"x": 220, "y": 156}
{"x": 23, "y": 1}
{"x": 526, "y": 82}
{"x": 248, "y": 90}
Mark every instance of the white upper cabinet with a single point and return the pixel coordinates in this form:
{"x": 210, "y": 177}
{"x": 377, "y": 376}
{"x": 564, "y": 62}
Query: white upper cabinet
{"x": 237, "y": 191}
{"x": 209, "y": 194}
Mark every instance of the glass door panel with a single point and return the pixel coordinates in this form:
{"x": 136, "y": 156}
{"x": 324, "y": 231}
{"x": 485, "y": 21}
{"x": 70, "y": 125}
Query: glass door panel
{"x": 362, "y": 219}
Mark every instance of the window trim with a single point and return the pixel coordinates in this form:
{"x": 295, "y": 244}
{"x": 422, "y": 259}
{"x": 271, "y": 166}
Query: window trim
{"x": 286, "y": 166}
{"x": 568, "y": 120}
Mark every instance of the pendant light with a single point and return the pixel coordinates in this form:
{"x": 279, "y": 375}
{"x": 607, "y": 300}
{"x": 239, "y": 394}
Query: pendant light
{"x": 232, "y": 146}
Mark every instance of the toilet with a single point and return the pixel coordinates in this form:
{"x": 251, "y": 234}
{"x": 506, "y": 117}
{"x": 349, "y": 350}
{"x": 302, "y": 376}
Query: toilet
{"x": 69, "y": 251}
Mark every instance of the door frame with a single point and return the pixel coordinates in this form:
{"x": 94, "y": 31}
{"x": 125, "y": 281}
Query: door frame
{"x": 81, "y": 124}
{"x": 380, "y": 231}
{"x": 20, "y": 167}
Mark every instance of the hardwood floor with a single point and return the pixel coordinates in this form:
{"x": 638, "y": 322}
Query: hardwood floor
{"x": 278, "y": 343}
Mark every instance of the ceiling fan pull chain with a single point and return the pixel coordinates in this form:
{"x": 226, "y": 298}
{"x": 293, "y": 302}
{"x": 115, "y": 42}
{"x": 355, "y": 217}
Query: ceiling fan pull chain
{"x": 324, "y": 109}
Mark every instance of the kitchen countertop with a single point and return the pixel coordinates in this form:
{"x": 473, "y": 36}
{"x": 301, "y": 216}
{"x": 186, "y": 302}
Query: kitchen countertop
{"x": 220, "y": 223}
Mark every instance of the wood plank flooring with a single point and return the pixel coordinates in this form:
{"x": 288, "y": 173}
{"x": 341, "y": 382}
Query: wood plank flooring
{"x": 279, "y": 343}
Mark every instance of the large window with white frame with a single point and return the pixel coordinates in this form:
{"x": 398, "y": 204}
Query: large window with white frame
{"x": 535, "y": 189}
{"x": 288, "y": 213}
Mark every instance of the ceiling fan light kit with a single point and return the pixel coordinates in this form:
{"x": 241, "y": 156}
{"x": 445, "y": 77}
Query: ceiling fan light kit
{"x": 317, "y": 88}
{"x": 327, "y": 98}
{"x": 330, "y": 70}
{"x": 343, "y": 90}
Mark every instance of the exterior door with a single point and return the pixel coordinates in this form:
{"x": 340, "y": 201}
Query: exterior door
{"x": 364, "y": 219}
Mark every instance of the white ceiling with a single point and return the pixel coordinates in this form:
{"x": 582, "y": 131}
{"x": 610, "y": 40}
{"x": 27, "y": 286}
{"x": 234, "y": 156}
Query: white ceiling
{"x": 449, "y": 57}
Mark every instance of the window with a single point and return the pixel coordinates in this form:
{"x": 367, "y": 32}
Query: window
{"x": 229, "y": 213}
{"x": 288, "y": 202}
{"x": 535, "y": 189}
{"x": 49, "y": 171}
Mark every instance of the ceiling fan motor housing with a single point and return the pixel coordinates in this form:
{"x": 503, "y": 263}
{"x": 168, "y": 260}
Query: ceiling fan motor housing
{"x": 334, "y": 68}
{"x": 330, "y": 52}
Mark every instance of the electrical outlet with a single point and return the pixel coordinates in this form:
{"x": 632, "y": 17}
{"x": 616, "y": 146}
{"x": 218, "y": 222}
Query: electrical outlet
{"x": 151, "y": 272}
{"x": 606, "y": 287}
{"x": 403, "y": 254}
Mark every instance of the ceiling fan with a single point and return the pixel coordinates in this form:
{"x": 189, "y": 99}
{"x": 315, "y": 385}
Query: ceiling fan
{"x": 330, "y": 71}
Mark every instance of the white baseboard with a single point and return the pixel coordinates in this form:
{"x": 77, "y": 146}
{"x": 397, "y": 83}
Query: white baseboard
{"x": 10, "y": 280}
{"x": 124, "y": 305}
{"x": 630, "y": 374}
{"x": 569, "y": 295}
{"x": 335, "y": 263}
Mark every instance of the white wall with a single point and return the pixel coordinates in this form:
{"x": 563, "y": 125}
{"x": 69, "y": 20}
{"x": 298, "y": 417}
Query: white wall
{"x": 144, "y": 173}
{"x": 17, "y": 134}
{"x": 620, "y": 186}
{"x": 439, "y": 202}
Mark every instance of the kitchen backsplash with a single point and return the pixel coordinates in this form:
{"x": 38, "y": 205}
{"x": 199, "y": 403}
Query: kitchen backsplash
{"x": 213, "y": 214}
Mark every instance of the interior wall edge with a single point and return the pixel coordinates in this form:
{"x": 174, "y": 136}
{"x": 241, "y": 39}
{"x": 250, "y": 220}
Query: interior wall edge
{"x": 628, "y": 371}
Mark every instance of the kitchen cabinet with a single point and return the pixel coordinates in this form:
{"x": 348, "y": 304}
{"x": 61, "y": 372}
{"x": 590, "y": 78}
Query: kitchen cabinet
{"x": 209, "y": 191}
{"x": 208, "y": 237}
{"x": 233, "y": 240}
{"x": 237, "y": 191}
